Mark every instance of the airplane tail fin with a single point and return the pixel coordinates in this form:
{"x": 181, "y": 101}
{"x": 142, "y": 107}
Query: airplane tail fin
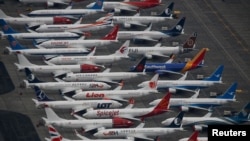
{"x": 51, "y": 115}
{"x": 112, "y": 35}
{"x": 7, "y": 29}
{"x": 3, "y": 15}
{"x": 243, "y": 115}
{"x": 31, "y": 77}
{"x": 123, "y": 50}
{"x": 23, "y": 62}
{"x": 230, "y": 92}
{"x": 163, "y": 105}
{"x": 140, "y": 66}
{"x": 167, "y": 12}
{"x": 108, "y": 16}
{"x": 216, "y": 75}
{"x": 189, "y": 44}
{"x": 14, "y": 44}
{"x": 54, "y": 134}
{"x": 152, "y": 84}
{"x": 177, "y": 121}
{"x": 41, "y": 95}
{"x": 98, "y": 5}
{"x": 177, "y": 29}
{"x": 193, "y": 136}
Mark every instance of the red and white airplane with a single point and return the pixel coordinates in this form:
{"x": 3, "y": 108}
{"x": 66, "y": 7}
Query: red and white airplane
{"x": 129, "y": 112}
{"x": 56, "y": 70}
{"x": 140, "y": 132}
{"x": 128, "y": 5}
{"x": 82, "y": 123}
{"x": 55, "y": 135}
{"x": 117, "y": 93}
{"x": 110, "y": 38}
{"x": 42, "y": 101}
{"x": 33, "y": 21}
{"x": 49, "y": 3}
{"x": 194, "y": 137}
{"x": 63, "y": 87}
{"x": 121, "y": 53}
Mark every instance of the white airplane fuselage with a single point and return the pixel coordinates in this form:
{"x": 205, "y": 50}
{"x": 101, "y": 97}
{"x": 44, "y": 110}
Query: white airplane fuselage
{"x": 27, "y": 20}
{"x": 112, "y": 94}
{"x": 155, "y": 50}
{"x": 156, "y": 35}
{"x": 114, "y": 5}
{"x": 138, "y": 19}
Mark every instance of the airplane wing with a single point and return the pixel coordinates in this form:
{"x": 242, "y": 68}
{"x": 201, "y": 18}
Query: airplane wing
{"x": 126, "y": 8}
{"x": 117, "y": 98}
{"x": 142, "y": 136}
{"x": 168, "y": 71}
{"x": 60, "y": 72}
{"x": 86, "y": 127}
{"x": 129, "y": 117}
{"x": 158, "y": 54}
{"x": 58, "y": 1}
{"x": 65, "y": 89}
{"x": 136, "y": 23}
{"x": 140, "y": 37}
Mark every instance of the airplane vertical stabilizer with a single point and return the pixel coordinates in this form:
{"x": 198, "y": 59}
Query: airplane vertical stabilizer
{"x": 3, "y": 15}
{"x": 167, "y": 12}
{"x": 7, "y": 29}
{"x": 14, "y": 44}
{"x": 112, "y": 35}
{"x": 40, "y": 94}
{"x": 140, "y": 66}
{"x": 216, "y": 75}
{"x": 177, "y": 29}
{"x": 51, "y": 115}
{"x": 177, "y": 121}
{"x": 230, "y": 92}
{"x": 98, "y": 5}
{"x": 31, "y": 77}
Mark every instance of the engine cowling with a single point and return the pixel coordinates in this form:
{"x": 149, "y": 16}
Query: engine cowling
{"x": 197, "y": 128}
{"x": 171, "y": 90}
{"x": 184, "y": 108}
{"x": 61, "y": 20}
{"x": 127, "y": 25}
{"x": 50, "y": 4}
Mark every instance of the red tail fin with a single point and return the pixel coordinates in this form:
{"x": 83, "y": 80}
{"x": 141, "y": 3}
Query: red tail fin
{"x": 54, "y": 134}
{"x": 112, "y": 35}
{"x": 164, "y": 103}
{"x": 194, "y": 136}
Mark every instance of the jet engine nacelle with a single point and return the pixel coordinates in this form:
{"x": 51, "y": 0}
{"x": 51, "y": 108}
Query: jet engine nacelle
{"x": 50, "y": 4}
{"x": 171, "y": 90}
{"x": 184, "y": 108}
{"x": 149, "y": 56}
{"x": 127, "y": 25}
{"x": 197, "y": 128}
{"x": 117, "y": 10}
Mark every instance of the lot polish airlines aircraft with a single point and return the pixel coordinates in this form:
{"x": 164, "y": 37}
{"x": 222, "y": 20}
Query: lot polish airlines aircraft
{"x": 150, "y": 35}
{"x": 164, "y": 51}
{"x": 128, "y": 21}
{"x": 105, "y": 76}
{"x": 189, "y": 85}
{"x": 141, "y": 132}
{"x": 172, "y": 67}
{"x": 198, "y": 123}
{"x": 128, "y": 5}
{"x": 202, "y": 103}
{"x": 194, "y": 137}
{"x": 121, "y": 53}
{"x": 118, "y": 94}
{"x": 75, "y": 105}
{"x": 56, "y": 70}
{"x": 16, "y": 47}
{"x": 64, "y": 87}
{"x": 110, "y": 38}
{"x": 77, "y": 27}
{"x": 85, "y": 124}
{"x": 55, "y": 135}
{"x": 7, "y": 30}
{"x": 33, "y": 21}
{"x": 49, "y": 3}
{"x": 129, "y": 112}
{"x": 68, "y": 12}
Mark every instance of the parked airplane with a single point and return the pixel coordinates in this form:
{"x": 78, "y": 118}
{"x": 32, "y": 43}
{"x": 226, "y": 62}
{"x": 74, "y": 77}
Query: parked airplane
{"x": 172, "y": 67}
{"x": 85, "y": 124}
{"x": 56, "y": 70}
{"x": 198, "y": 123}
{"x": 49, "y": 3}
{"x": 189, "y": 85}
{"x": 164, "y": 51}
{"x": 7, "y": 30}
{"x": 202, "y": 103}
{"x": 110, "y": 38}
{"x": 105, "y": 76}
{"x": 118, "y": 94}
{"x": 77, "y": 27}
{"x": 128, "y": 21}
{"x": 16, "y": 47}
{"x": 194, "y": 137}
{"x": 128, "y": 5}
{"x": 68, "y": 12}
{"x": 129, "y": 112}
{"x": 121, "y": 53}
{"x": 149, "y": 35}
{"x": 33, "y": 21}
{"x": 42, "y": 101}
{"x": 64, "y": 87}
{"x": 55, "y": 135}
{"x": 141, "y": 132}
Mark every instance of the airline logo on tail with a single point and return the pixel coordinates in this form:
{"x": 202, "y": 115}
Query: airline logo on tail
{"x": 123, "y": 49}
{"x": 40, "y": 95}
{"x": 30, "y": 77}
{"x": 152, "y": 84}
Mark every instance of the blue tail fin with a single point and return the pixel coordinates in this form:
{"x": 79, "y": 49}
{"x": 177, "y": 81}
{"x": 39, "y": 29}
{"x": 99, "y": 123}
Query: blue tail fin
{"x": 177, "y": 29}
{"x": 6, "y": 28}
{"x": 31, "y": 77}
{"x": 40, "y": 95}
{"x": 14, "y": 44}
{"x": 139, "y": 67}
{"x": 167, "y": 12}
{"x": 177, "y": 121}
{"x": 230, "y": 92}
{"x": 98, "y": 4}
{"x": 243, "y": 116}
{"x": 216, "y": 75}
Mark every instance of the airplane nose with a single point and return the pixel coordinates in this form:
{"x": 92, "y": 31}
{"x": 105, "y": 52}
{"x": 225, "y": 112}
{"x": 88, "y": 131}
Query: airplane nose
{"x": 120, "y": 122}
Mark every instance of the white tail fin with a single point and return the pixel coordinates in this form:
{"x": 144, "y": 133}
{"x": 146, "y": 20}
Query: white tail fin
{"x": 51, "y": 115}
{"x": 3, "y": 15}
{"x": 23, "y": 61}
{"x": 123, "y": 50}
{"x": 152, "y": 84}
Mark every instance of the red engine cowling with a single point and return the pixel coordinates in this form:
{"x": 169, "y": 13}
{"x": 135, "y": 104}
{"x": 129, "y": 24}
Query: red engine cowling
{"x": 61, "y": 20}
{"x": 89, "y": 68}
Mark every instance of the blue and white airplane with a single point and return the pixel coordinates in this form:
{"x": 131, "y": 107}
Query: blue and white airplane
{"x": 202, "y": 103}
{"x": 202, "y": 122}
{"x": 189, "y": 85}
{"x": 171, "y": 67}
